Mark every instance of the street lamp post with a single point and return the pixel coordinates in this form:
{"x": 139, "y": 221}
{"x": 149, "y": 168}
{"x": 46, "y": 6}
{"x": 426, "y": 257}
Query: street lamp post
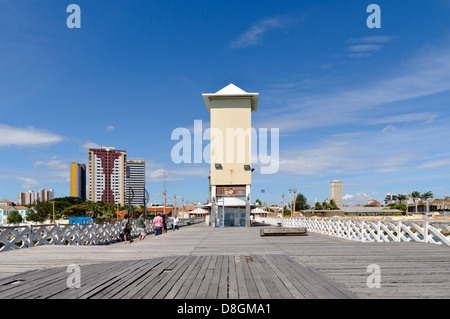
{"x": 174, "y": 205}
{"x": 290, "y": 199}
{"x": 282, "y": 207}
{"x": 262, "y": 198}
{"x": 295, "y": 191}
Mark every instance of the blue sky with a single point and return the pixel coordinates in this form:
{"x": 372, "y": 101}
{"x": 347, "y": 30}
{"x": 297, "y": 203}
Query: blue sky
{"x": 366, "y": 106}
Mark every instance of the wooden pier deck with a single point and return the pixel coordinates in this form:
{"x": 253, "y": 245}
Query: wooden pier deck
{"x": 198, "y": 262}
{"x": 180, "y": 277}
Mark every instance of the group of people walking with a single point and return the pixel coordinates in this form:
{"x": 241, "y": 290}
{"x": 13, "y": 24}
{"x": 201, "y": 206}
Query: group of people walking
{"x": 159, "y": 226}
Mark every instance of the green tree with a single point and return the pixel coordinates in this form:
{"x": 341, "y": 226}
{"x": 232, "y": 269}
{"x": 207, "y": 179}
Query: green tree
{"x": 40, "y": 212}
{"x": 76, "y": 210}
{"x": 415, "y": 195}
{"x": 14, "y": 218}
{"x": 401, "y": 198}
{"x": 427, "y": 195}
{"x": 333, "y": 205}
{"x": 301, "y": 202}
{"x": 318, "y": 206}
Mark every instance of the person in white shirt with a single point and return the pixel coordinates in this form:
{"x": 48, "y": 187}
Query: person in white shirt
{"x": 176, "y": 223}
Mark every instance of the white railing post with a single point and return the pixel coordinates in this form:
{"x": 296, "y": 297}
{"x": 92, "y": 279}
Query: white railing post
{"x": 379, "y": 231}
{"x": 362, "y": 231}
{"x": 349, "y": 230}
{"x": 425, "y": 233}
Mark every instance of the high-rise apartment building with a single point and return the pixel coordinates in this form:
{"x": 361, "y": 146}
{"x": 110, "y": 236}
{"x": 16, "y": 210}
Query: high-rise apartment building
{"x": 336, "y": 192}
{"x": 135, "y": 181}
{"x": 78, "y": 180}
{"x": 106, "y": 175}
{"x": 45, "y": 195}
{"x": 27, "y": 198}
{"x": 30, "y": 197}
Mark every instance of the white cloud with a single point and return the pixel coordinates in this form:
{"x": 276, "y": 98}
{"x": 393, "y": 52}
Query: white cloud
{"x": 28, "y": 136}
{"x": 110, "y": 128}
{"x": 388, "y": 128}
{"x": 364, "y": 48}
{"x": 427, "y": 117}
{"x": 158, "y": 174}
{"x": 426, "y": 74}
{"x": 435, "y": 163}
{"x": 358, "y": 198}
{"x": 29, "y": 182}
{"x": 86, "y": 146}
{"x": 254, "y": 35}
{"x": 372, "y": 39}
{"x": 53, "y": 164}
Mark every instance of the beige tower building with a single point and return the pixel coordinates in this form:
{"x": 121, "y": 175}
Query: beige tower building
{"x": 230, "y": 175}
{"x": 336, "y": 192}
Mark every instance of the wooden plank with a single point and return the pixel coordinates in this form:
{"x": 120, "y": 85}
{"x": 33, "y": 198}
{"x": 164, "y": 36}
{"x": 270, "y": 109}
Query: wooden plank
{"x": 150, "y": 279}
{"x": 111, "y": 279}
{"x": 307, "y": 289}
{"x": 23, "y": 282}
{"x": 198, "y": 279}
{"x": 257, "y": 278}
{"x": 133, "y": 279}
{"x": 51, "y": 281}
{"x": 172, "y": 277}
{"x": 268, "y": 283}
{"x": 278, "y": 283}
{"x": 186, "y": 285}
{"x": 214, "y": 284}
{"x": 90, "y": 278}
{"x": 241, "y": 284}
{"x": 333, "y": 287}
{"x": 177, "y": 286}
{"x": 249, "y": 281}
{"x": 204, "y": 287}
{"x": 56, "y": 285}
{"x": 223, "y": 281}
{"x": 233, "y": 292}
{"x": 22, "y": 289}
{"x": 292, "y": 290}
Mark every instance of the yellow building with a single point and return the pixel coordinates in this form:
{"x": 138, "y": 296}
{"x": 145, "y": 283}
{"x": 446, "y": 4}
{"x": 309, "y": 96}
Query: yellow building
{"x": 230, "y": 175}
{"x": 78, "y": 180}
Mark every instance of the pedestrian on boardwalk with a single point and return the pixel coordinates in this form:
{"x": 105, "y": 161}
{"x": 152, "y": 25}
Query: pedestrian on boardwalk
{"x": 126, "y": 228}
{"x": 158, "y": 224}
{"x": 176, "y": 223}
{"x": 141, "y": 226}
{"x": 164, "y": 230}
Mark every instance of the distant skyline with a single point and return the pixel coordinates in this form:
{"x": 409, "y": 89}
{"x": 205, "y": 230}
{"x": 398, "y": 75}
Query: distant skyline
{"x": 368, "y": 107}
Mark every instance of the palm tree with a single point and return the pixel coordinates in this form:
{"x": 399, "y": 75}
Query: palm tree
{"x": 402, "y": 197}
{"x": 415, "y": 195}
{"x": 427, "y": 195}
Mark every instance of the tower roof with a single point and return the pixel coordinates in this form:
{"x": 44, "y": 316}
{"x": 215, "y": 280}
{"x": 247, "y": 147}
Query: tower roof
{"x": 231, "y": 91}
